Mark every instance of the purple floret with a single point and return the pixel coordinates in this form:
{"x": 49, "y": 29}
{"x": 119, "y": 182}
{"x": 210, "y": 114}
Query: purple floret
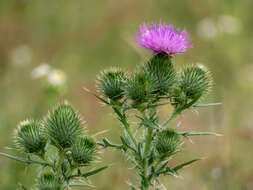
{"x": 163, "y": 38}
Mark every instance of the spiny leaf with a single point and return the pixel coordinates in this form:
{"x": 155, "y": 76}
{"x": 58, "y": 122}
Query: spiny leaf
{"x": 206, "y": 105}
{"x": 106, "y": 143}
{"x": 80, "y": 185}
{"x": 180, "y": 166}
{"x": 186, "y": 134}
{"x": 93, "y": 172}
{"x": 28, "y": 161}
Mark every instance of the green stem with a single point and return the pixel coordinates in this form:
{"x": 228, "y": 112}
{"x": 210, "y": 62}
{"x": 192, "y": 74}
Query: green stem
{"x": 90, "y": 173}
{"x": 148, "y": 140}
{"x": 28, "y": 161}
{"x": 60, "y": 160}
{"x": 126, "y": 125}
{"x": 129, "y": 132}
{"x": 179, "y": 110}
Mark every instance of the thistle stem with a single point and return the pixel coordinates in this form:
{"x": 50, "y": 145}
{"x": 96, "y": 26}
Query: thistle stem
{"x": 126, "y": 125}
{"x": 148, "y": 140}
{"x": 60, "y": 160}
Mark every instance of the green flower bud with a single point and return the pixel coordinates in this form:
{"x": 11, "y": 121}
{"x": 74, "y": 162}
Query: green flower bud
{"x": 29, "y": 137}
{"x": 161, "y": 72}
{"x": 194, "y": 81}
{"x": 83, "y": 151}
{"x": 167, "y": 143}
{"x": 48, "y": 181}
{"x": 63, "y": 125}
{"x": 111, "y": 83}
{"x": 138, "y": 88}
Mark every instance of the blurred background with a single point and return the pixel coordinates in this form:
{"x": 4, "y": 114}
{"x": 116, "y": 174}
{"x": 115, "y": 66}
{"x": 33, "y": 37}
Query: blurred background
{"x": 50, "y": 50}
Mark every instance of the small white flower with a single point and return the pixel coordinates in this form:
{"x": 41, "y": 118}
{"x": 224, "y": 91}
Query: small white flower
{"x": 57, "y": 77}
{"x": 21, "y": 55}
{"x": 41, "y": 71}
{"x": 229, "y": 24}
{"x": 206, "y": 29}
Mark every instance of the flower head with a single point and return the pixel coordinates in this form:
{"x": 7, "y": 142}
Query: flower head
{"x": 57, "y": 78}
{"x": 163, "y": 38}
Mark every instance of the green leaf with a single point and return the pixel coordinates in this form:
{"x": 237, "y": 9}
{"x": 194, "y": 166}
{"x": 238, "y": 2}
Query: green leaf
{"x": 180, "y": 166}
{"x": 80, "y": 185}
{"x": 106, "y": 143}
{"x": 93, "y": 172}
{"x": 99, "y": 133}
{"x": 126, "y": 143}
{"x": 28, "y": 161}
{"x": 206, "y": 105}
{"x": 187, "y": 134}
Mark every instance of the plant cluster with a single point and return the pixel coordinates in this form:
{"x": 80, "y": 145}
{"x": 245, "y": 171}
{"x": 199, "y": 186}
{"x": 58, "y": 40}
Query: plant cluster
{"x": 60, "y": 145}
{"x": 151, "y": 143}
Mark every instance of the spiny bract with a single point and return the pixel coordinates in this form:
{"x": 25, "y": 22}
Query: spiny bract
{"x": 167, "y": 143}
{"x": 161, "y": 72}
{"x": 83, "y": 150}
{"x": 63, "y": 125}
{"x": 29, "y": 137}
{"x": 48, "y": 181}
{"x": 111, "y": 82}
{"x": 194, "y": 81}
{"x": 138, "y": 88}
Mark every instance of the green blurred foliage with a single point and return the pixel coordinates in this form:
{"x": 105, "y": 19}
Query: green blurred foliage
{"x": 83, "y": 37}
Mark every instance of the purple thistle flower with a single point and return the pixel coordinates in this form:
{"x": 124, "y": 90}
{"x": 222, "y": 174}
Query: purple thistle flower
{"x": 163, "y": 38}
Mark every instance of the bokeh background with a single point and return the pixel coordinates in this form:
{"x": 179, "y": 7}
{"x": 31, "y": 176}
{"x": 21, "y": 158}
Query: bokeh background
{"x": 50, "y": 50}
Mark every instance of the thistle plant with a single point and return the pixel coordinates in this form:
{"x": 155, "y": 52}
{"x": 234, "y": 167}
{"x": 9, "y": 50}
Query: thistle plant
{"x": 59, "y": 144}
{"x": 150, "y": 143}
{"x": 61, "y": 147}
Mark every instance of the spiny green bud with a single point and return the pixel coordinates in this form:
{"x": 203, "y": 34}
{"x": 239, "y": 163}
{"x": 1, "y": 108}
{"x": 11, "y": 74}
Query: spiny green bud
{"x": 111, "y": 83}
{"x": 138, "y": 88}
{"x": 63, "y": 125}
{"x": 48, "y": 181}
{"x": 161, "y": 72}
{"x": 83, "y": 151}
{"x": 29, "y": 137}
{"x": 194, "y": 81}
{"x": 167, "y": 143}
